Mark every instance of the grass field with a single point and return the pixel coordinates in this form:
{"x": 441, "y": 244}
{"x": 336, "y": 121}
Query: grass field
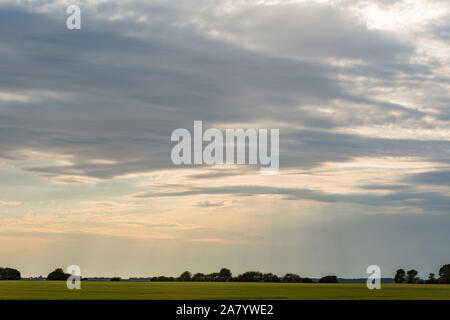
{"x": 49, "y": 290}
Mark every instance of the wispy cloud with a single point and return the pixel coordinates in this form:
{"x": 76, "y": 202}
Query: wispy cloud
{"x": 9, "y": 203}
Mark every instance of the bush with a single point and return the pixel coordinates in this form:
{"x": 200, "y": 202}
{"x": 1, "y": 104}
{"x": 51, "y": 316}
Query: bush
{"x": 116, "y": 279}
{"x": 329, "y": 279}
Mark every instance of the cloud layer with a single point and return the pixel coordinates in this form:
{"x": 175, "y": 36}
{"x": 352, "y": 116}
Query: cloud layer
{"x": 359, "y": 91}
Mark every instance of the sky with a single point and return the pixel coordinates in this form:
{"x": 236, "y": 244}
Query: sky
{"x": 360, "y": 91}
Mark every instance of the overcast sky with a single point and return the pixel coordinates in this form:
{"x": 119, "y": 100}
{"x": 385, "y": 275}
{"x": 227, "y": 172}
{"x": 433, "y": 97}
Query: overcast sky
{"x": 360, "y": 91}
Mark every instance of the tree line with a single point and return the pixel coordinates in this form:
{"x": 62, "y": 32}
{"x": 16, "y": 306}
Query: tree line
{"x": 225, "y": 275}
{"x": 410, "y": 276}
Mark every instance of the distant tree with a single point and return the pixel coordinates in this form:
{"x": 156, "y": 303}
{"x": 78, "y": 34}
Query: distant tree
{"x": 215, "y": 276}
{"x": 400, "y": 276}
{"x": 198, "y": 277}
{"x": 250, "y": 276}
{"x": 9, "y": 274}
{"x": 307, "y": 280}
{"x": 329, "y": 279}
{"x": 432, "y": 279}
{"x": 162, "y": 278}
{"x": 185, "y": 276}
{"x": 225, "y": 274}
{"x": 411, "y": 276}
{"x": 444, "y": 274}
{"x": 292, "y": 277}
{"x": 270, "y": 277}
{"x": 116, "y": 278}
{"x": 58, "y": 274}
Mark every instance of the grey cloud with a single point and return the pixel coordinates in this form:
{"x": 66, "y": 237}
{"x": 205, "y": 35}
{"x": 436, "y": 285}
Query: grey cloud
{"x": 209, "y": 204}
{"x": 150, "y": 225}
{"x": 428, "y": 201}
{"x": 380, "y": 186}
{"x": 430, "y": 178}
{"x": 440, "y": 29}
{"x": 306, "y": 30}
{"x": 310, "y": 148}
{"x": 121, "y": 95}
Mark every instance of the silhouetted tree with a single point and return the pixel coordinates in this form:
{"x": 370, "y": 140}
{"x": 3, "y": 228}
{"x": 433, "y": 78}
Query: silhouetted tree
{"x": 307, "y": 280}
{"x": 185, "y": 276}
{"x": 225, "y": 274}
{"x": 250, "y": 276}
{"x": 116, "y": 279}
{"x": 444, "y": 274}
{"x": 212, "y": 277}
{"x": 292, "y": 277}
{"x": 400, "y": 276}
{"x": 270, "y": 277}
{"x": 198, "y": 277}
{"x": 432, "y": 279}
{"x": 329, "y": 279}
{"x": 162, "y": 278}
{"x": 9, "y": 274}
{"x": 411, "y": 276}
{"x": 58, "y": 274}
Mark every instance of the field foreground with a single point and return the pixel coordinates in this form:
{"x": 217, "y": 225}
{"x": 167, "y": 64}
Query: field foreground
{"x": 93, "y": 290}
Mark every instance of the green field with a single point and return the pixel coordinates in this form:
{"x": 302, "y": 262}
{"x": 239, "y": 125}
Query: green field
{"x": 198, "y": 290}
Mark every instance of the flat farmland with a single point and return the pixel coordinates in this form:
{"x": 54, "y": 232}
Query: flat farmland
{"x": 124, "y": 290}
